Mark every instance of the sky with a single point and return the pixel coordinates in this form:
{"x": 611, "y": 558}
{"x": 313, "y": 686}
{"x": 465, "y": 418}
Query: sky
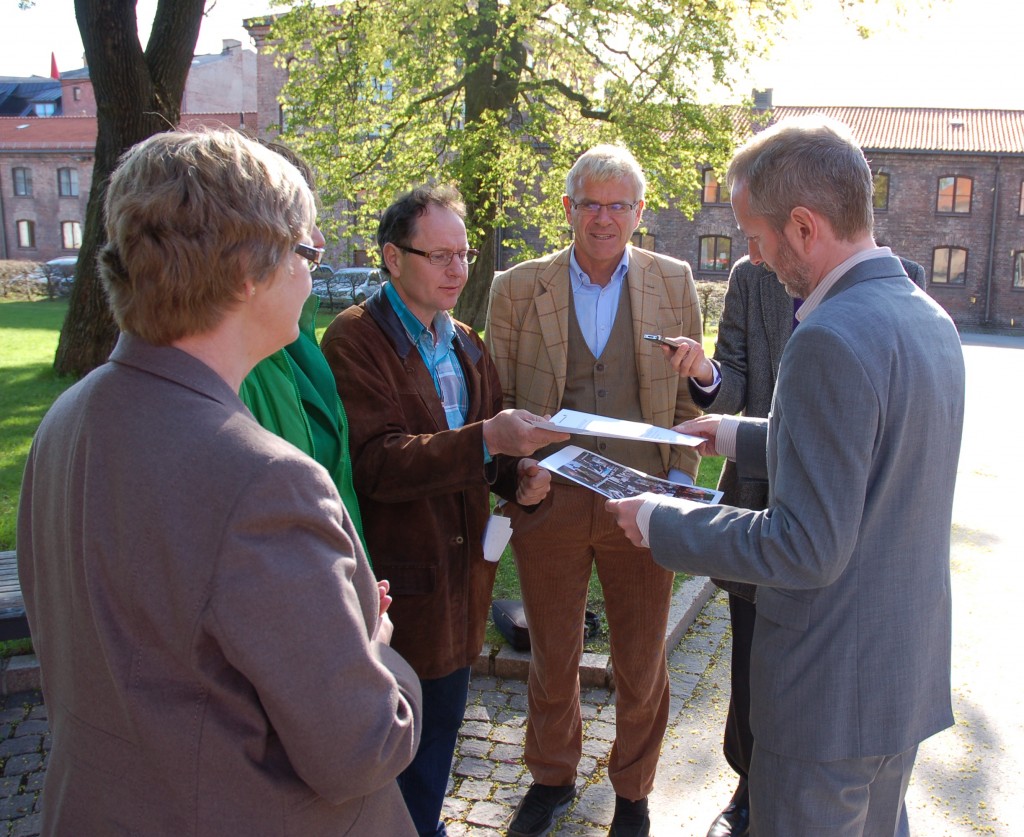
{"x": 961, "y": 53}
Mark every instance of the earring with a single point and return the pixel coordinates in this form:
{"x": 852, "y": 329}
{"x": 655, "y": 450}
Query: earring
{"x": 252, "y": 291}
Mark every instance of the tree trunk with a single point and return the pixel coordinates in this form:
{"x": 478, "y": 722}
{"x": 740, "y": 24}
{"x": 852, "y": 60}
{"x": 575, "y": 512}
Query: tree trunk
{"x": 492, "y": 81}
{"x": 472, "y": 305}
{"x": 138, "y": 94}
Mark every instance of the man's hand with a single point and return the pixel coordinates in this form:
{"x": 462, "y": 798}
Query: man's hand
{"x": 533, "y": 483}
{"x": 707, "y": 428}
{"x": 384, "y": 629}
{"x": 688, "y": 360}
{"x": 624, "y": 511}
{"x": 511, "y": 432}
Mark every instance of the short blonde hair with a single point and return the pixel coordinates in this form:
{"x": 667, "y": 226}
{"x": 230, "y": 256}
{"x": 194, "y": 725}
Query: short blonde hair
{"x": 189, "y": 216}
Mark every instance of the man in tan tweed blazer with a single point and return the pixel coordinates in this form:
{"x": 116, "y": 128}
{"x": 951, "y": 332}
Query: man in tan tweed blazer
{"x": 566, "y": 331}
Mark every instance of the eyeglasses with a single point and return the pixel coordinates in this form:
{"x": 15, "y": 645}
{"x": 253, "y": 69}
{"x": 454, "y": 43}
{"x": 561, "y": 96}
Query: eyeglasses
{"x": 314, "y": 255}
{"x": 589, "y": 208}
{"x": 443, "y": 258}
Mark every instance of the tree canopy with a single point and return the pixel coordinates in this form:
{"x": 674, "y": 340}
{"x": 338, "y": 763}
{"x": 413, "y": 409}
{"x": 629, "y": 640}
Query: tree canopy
{"x": 500, "y": 97}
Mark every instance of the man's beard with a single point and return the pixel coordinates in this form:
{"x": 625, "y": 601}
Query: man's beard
{"x": 794, "y": 275}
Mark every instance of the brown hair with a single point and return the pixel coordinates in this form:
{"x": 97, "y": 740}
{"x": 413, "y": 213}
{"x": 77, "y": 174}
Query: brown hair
{"x": 189, "y": 216}
{"x": 398, "y": 223}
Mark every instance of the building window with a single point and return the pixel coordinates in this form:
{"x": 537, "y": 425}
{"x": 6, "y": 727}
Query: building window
{"x": 44, "y": 108}
{"x": 715, "y": 253}
{"x": 1020, "y": 211}
{"x": 1018, "y": 269}
{"x": 67, "y": 183}
{"x": 71, "y": 234}
{"x": 881, "y": 197}
{"x": 76, "y": 93}
{"x": 26, "y": 233}
{"x": 954, "y": 195}
{"x": 714, "y": 192}
{"x": 949, "y": 266}
{"x": 643, "y": 240}
{"x": 22, "y": 181}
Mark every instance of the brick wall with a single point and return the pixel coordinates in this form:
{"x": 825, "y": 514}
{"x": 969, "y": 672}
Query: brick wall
{"x": 44, "y": 207}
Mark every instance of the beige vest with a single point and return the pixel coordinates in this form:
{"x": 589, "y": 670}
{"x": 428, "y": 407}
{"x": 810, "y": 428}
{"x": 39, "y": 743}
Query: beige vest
{"x": 608, "y": 386}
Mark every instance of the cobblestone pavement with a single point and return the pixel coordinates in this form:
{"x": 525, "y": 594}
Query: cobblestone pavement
{"x": 489, "y": 776}
{"x": 24, "y": 743}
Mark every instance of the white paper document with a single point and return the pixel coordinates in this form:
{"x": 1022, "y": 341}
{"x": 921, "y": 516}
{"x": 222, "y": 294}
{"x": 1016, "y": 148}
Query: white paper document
{"x": 588, "y": 424}
{"x": 617, "y": 481}
{"x": 496, "y": 536}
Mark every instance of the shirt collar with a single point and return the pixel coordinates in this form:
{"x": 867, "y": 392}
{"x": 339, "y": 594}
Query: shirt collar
{"x": 816, "y": 296}
{"x": 579, "y": 278}
{"x": 442, "y": 322}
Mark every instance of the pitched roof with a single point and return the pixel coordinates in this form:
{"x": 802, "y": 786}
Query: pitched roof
{"x": 47, "y": 133}
{"x": 78, "y": 133}
{"x": 926, "y": 129}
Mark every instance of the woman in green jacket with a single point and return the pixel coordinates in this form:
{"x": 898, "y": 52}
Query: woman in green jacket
{"x": 293, "y": 395}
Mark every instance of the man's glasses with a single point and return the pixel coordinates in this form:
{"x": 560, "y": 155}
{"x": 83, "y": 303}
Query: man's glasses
{"x": 589, "y": 208}
{"x": 443, "y": 258}
{"x": 314, "y": 255}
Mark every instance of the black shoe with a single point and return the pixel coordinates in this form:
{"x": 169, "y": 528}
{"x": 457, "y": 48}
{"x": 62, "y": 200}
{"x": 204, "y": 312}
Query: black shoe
{"x": 536, "y": 811}
{"x": 630, "y": 818}
{"x": 734, "y": 821}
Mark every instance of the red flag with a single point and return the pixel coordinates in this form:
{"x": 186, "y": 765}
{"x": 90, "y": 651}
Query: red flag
{"x": 53, "y": 67}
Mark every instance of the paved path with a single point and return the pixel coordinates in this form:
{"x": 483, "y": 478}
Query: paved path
{"x": 968, "y": 780}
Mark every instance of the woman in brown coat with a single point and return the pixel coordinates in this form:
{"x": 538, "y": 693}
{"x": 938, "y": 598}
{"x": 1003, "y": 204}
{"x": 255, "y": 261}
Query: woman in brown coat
{"x": 212, "y": 640}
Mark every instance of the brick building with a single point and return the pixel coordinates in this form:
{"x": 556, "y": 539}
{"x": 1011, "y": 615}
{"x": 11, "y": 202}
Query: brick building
{"x": 46, "y": 160}
{"x": 949, "y": 194}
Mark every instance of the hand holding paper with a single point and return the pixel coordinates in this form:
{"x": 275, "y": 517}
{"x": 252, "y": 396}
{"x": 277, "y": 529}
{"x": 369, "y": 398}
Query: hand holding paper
{"x": 706, "y": 429}
{"x": 519, "y": 433}
{"x": 625, "y": 511}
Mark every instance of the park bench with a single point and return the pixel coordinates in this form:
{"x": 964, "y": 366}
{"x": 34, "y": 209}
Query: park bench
{"x": 13, "y": 622}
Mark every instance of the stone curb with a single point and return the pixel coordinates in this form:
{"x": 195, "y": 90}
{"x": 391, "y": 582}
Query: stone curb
{"x": 595, "y": 669}
{"x": 21, "y": 674}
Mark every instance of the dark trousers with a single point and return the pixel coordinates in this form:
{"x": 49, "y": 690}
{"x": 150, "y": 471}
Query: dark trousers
{"x": 738, "y": 743}
{"x": 424, "y": 782}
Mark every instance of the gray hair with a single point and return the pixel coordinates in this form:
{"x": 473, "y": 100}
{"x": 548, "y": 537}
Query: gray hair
{"x": 810, "y": 161}
{"x": 603, "y": 163}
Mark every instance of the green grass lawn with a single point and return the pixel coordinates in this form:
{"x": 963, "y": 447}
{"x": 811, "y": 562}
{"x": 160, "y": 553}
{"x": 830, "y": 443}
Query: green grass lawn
{"x": 29, "y": 331}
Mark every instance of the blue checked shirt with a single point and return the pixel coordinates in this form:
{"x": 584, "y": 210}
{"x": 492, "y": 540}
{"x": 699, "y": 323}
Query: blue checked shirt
{"x": 439, "y": 358}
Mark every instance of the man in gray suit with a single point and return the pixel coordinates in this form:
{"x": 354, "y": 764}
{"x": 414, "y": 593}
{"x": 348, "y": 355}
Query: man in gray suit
{"x": 851, "y": 651}
{"x": 757, "y": 321}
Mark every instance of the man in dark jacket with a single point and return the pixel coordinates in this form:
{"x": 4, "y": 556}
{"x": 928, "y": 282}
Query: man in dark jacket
{"x": 429, "y": 442}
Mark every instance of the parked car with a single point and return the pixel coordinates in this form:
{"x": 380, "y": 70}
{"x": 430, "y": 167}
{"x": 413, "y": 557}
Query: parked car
{"x": 368, "y": 287}
{"x": 322, "y": 271}
{"x": 58, "y": 275}
{"x": 347, "y": 286}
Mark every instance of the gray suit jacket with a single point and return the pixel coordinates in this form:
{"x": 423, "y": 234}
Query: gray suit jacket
{"x": 757, "y": 321}
{"x": 851, "y": 654}
{"x": 202, "y": 609}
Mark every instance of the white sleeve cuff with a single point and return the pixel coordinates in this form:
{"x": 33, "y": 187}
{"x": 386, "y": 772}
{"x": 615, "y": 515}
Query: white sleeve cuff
{"x": 725, "y": 439}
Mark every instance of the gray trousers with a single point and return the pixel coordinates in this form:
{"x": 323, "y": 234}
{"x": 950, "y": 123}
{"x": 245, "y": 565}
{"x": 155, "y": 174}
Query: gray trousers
{"x": 846, "y": 798}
